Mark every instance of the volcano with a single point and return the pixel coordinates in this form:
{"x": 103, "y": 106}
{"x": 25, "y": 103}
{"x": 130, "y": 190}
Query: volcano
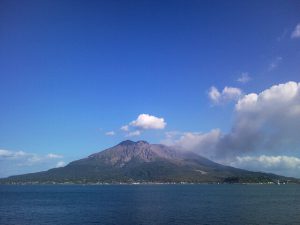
{"x": 141, "y": 162}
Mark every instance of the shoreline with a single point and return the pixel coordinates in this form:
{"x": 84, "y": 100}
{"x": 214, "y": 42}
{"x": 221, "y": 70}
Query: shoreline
{"x": 136, "y": 184}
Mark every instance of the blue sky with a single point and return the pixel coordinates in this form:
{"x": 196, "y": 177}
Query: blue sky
{"x": 72, "y": 71}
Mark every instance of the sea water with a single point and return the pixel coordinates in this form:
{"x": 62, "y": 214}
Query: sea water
{"x": 149, "y": 204}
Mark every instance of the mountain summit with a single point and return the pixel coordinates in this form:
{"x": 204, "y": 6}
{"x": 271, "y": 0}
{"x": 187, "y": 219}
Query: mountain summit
{"x": 140, "y": 161}
{"x": 128, "y": 152}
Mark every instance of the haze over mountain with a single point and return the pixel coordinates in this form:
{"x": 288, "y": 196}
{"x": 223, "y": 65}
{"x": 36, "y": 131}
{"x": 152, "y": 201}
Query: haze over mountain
{"x": 140, "y": 161}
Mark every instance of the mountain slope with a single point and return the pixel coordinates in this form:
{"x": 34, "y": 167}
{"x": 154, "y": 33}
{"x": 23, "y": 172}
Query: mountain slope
{"x": 143, "y": 162}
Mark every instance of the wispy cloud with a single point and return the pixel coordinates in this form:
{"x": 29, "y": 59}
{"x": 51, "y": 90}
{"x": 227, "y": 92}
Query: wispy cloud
{"x": 125, "y": 128}
{"x": 60, "y": 164}
{"x": 110, "y": 133}
{"x": 13, "y": 154}
{"x": 134, "y": 133}
{"x": 203, "y": 143}
{"x": 17, "y": 162}
{"x": 281, "y": 164}
{"x": 54, "y": 156}
{"x": 244, "y": 78}
{"x": 275, "y": 63}
{"x": 296, "y": 32}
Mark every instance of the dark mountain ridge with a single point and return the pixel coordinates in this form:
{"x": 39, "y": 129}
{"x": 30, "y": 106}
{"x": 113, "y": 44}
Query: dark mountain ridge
{"x": 132, "y": 162}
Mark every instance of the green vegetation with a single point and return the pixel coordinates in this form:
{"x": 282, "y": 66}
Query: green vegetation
{"x": 140, "y": 162}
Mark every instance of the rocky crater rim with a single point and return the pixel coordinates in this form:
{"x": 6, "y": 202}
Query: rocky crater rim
{"x": 130, "y": 142}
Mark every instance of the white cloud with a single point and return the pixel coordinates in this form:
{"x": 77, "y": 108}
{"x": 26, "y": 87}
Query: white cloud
{"x": 134, "y": 133}
{"x": 228, "y": 94}
{"x": 53, "y": 156}
{"x": 110, "y": 133}
{"x": 170, "y": 137}
{"x": 274, "y": 99}
{"x": 142, "y": 123}
{"x": 244, "y": 78}
{"x": 19, "y": 162}
{"x": 267, "y": 122}
{"x": 231, "y": 92}
{"x": 6, "y": 153}
{"x": 60, "y": 164}
{"x": 12, "y": 154}
{"x": 275, "y": 63}
{"x": 214, "y": 94}
{"x": 287, "y": 165}
{"x": 289, "y": 162}
{"x": 296, "y": 32}
{"x": 146, "y": 122}
{"x": 202, "y": 143}
{"x": 125, "y": 128}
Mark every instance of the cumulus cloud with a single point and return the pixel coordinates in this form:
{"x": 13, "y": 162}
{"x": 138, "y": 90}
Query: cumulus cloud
{"x": 228, "y": 94}
{"x": 146, "y": 122}
{"x": 244, "y": 78}
{"x": 296, "y": 32}
{"x": 18, "y": 162}
{"x": 142, "y": 123}
{"x": 267, "y": 122}
{"x": 110, "y": 133}
{"x": 285, "y": 165}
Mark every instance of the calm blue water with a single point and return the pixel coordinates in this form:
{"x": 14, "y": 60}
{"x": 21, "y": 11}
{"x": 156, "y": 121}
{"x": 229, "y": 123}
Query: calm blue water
{"x": 150, "y": 204}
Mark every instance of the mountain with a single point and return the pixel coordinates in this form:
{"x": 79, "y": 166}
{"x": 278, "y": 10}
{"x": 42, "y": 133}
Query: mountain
{"x": 130, "y": 162}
